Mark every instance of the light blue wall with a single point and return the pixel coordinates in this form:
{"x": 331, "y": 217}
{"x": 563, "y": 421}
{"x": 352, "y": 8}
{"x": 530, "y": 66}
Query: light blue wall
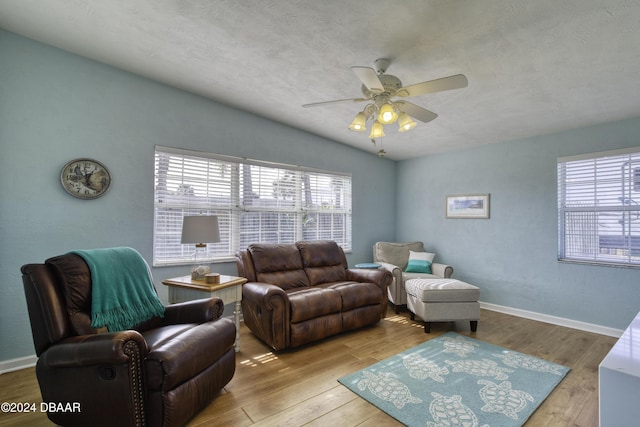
{"x": 55, "y": 106}
{"x": 512, "y": 256}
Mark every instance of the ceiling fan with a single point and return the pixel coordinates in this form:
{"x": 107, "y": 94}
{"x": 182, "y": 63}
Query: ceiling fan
{"x": 379, "y": 88}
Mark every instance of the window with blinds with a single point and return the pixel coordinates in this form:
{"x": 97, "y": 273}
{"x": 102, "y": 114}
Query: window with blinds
{"x": 598, "y": 208}
{"x": 255, "y": 202}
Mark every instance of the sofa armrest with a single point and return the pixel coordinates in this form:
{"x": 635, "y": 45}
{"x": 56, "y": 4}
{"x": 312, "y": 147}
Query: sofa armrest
{"x": 196, "y": 311}
{"x": 266, "y": 311}
{"x": 380, "y": 277}
{"x": 441, "y": 270}
{"x": 263, "y": 293}
{"x": 98, "y": 349}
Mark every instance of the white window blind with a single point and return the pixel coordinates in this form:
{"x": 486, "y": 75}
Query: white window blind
{"x": 256, "y": 202}
{"x": 598, "y": 208}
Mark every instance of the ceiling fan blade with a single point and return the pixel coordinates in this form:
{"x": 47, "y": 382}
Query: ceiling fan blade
{"x": 446, "y": 83}
{"x": 416, "y": 111}
{"x": 336, "y": 101}
{"x": 369, "y": 78}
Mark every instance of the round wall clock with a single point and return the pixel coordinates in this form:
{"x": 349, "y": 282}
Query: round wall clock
{"x": 85, "y": 178}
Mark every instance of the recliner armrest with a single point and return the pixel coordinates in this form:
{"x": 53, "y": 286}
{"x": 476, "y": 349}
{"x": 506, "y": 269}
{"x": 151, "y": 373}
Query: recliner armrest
{"x": 98, "y": 349}
{"x": 196, "y": 311}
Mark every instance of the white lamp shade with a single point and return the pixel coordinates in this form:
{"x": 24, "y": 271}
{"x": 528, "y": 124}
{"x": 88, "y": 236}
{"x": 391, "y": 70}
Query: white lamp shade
{"x": 405, "y": 123}
{"x": 200, "y": 229}
{"x": 359, "y": 123}
{"x": 377, "y": 130}
{"x": 387, "y": 114}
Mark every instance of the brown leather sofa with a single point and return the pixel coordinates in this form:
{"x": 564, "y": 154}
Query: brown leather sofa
{"x": 160, "y": 373}
{"x": 303, "y": 292}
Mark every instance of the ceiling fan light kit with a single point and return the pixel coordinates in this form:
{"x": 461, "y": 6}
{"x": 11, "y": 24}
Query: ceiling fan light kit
{"x": 405, "y": 123}
{"x": 377, "y": 130}
{"x": 359, "y": 123}
{"x": 387, "y": 114}
{"x": 379, "y": 88}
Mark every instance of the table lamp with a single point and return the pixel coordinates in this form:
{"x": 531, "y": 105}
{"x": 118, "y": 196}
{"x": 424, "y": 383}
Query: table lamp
{"x": 200, "y": 230}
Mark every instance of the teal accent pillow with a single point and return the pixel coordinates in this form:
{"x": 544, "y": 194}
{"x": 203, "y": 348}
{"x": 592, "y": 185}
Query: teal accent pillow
{"x": 419, "y": 262}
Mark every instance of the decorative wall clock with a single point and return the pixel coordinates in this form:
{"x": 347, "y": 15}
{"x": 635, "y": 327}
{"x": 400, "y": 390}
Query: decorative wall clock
{"x": 85, "y": 178}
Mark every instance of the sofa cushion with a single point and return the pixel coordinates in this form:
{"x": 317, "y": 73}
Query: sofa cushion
{"x": 285, "y": 279}
{"x": 320, "y": 253}
{"x": 357, "y": 294}
{"x": 328, "y": 274}
{"x": 419, "y": 262}
{"x": 315, "y": 329}
{"x": 313, "y": 302}
{"x": 323, "y": 261}
{"x": 280, "y": 265}
{"x": 275, "y": 257}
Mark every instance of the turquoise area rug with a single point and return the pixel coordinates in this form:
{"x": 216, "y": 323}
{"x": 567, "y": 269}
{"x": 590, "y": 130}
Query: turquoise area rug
{"x": 453, "y": 380}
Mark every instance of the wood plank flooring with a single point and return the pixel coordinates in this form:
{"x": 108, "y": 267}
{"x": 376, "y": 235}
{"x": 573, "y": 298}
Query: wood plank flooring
{"x": 300, "y": 388}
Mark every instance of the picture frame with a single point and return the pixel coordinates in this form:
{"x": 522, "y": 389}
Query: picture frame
{"x": 468, "y": 206}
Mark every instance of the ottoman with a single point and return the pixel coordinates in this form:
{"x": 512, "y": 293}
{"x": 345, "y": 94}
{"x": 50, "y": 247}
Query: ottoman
{"x": 443, "y": 300}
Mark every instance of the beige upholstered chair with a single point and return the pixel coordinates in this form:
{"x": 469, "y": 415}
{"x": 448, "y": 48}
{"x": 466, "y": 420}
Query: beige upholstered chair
{"x": 394, "y": 257}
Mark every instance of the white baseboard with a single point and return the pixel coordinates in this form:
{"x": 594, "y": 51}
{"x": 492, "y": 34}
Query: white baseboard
{"x": 17, "y": 364}
{"x": 554, "y": 320}
{"x": 29, "y": 361}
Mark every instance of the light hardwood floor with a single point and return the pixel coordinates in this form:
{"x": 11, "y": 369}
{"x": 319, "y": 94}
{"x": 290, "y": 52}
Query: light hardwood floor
{"x": 300, "y": 388}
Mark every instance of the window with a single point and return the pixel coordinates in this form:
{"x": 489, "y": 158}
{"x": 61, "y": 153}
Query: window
{"x": 256, "y": 202}
{"x": 598, "y": 208}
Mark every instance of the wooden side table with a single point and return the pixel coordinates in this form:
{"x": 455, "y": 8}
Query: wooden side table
{"x": 229, "y": 290}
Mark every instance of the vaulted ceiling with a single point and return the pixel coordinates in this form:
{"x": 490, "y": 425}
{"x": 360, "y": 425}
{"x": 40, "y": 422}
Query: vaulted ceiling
{"x": 533, "y": 67}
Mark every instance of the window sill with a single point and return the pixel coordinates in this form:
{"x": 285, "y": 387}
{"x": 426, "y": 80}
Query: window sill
{"x": 598, "y": 263}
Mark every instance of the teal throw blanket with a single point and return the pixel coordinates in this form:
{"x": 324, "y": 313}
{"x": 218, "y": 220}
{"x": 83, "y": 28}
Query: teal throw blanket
{"x": 122, "y": 290}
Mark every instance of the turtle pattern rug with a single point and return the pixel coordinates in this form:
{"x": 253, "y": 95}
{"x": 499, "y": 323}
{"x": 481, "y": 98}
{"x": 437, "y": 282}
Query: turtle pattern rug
{"x": 453, "y": 380}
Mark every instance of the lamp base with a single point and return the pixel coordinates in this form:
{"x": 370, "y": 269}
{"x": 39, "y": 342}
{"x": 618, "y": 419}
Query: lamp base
{"x": 200, "y": 267}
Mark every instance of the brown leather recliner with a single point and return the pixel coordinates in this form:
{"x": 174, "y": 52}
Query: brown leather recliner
{"x": 303, "y": 292}
{"x": 160, "y": 373}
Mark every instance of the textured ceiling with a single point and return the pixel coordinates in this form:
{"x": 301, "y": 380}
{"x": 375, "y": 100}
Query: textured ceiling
{"x": 534, "y": 67}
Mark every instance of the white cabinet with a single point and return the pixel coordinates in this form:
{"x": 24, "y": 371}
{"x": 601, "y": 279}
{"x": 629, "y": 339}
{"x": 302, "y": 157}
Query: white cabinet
{"x": 619, "y": 376}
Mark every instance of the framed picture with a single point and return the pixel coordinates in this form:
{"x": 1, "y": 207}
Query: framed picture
{"x": 468, "y": 206}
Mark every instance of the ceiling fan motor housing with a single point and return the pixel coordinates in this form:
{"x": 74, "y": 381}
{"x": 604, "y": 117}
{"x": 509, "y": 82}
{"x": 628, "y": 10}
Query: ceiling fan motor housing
{"x": 381, "y": 65}
{"x": 390, "y": 83}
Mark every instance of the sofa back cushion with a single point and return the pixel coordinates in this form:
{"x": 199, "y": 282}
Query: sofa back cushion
{"x": 395, "y": 253}
{"x": 278, "y": 264}
{"x": 323, "y": 261}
